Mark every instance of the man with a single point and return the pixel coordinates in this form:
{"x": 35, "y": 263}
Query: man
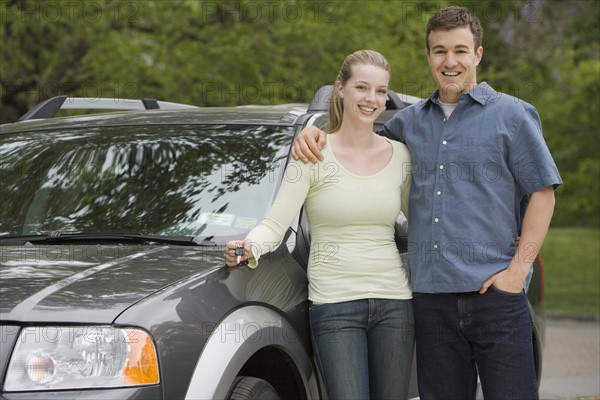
{"x": 482, "y": 176}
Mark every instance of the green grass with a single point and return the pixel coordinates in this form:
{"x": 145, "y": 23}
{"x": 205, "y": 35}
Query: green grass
{"x": 571, "y": 258}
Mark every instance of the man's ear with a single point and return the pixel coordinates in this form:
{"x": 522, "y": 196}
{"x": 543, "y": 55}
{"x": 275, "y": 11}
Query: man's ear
{"x": 428, "y": 54}
{"x": 479, "y": 54}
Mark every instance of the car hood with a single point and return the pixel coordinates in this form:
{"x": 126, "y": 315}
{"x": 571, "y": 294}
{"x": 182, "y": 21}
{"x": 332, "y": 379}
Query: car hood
{"x": 91, "y": 283}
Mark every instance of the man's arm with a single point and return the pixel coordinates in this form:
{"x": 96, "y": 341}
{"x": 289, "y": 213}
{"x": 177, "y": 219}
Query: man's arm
{"x": 535, "y": 227}
{"x": 308, "y": 144}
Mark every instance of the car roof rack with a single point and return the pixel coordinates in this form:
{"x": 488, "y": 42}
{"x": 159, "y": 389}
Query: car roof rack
{"x": 48, "y": 108}
{"x": 395, "y": 101}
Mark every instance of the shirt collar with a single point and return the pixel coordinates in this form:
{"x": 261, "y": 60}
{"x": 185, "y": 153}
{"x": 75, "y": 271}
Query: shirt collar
{"x": 482, "y": 93}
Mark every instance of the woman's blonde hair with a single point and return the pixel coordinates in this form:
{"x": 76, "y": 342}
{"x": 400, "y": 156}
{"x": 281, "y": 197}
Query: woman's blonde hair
{"x": 336, "y": 105}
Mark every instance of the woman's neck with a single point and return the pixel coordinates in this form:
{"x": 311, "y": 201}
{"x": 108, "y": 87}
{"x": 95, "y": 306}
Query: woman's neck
{"x": 355, "y": 135}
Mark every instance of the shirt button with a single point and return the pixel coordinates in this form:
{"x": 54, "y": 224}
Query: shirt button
{"x": 439, "y": 192}
{"x": 435, "y": 246}
{"x": 436, "y": 220}
{"x": 445, "y": 142}
{"x": 441, "y": 167}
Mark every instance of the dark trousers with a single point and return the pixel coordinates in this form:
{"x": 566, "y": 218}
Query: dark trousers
{"x": 461, "y": 335}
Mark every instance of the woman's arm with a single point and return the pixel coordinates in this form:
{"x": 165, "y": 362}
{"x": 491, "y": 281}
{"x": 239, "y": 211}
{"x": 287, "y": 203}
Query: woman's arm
{"x": 267, "y": 235}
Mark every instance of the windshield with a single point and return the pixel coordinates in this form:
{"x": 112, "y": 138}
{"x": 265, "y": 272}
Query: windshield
{"x": 156, "y": 180}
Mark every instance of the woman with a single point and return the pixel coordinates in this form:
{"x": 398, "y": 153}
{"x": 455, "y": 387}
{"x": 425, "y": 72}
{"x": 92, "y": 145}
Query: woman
{"x": 361, "y": 311}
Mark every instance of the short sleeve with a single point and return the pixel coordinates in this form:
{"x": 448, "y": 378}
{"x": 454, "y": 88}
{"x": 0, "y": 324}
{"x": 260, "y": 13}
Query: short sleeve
{"x": 529, "y": 157}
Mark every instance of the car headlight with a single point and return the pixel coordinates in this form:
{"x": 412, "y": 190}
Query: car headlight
{"x": 76, "y": 357}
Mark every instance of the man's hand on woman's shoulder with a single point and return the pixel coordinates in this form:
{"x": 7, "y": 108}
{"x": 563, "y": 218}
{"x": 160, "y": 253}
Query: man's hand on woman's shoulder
{"x": 308, "y": 144}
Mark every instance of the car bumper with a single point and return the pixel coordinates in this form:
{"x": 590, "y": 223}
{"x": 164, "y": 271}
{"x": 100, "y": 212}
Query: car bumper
{"x": 139, "y": 393}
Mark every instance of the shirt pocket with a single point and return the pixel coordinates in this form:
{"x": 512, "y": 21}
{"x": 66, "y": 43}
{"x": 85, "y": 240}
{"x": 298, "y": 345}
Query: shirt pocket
{"x": 480, "y": 161}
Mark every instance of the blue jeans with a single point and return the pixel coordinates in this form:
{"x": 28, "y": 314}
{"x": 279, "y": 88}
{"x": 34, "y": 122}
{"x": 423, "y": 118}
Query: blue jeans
{"x": 462, "y": 334}
{"x": 364, "y": 348}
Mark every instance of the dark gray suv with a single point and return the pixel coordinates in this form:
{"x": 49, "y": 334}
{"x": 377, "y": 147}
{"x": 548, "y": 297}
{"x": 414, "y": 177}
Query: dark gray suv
{"x": 112, "y": 227}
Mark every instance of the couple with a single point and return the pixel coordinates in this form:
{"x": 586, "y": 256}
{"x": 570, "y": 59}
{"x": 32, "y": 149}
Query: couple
{"x": 468, "y": 276}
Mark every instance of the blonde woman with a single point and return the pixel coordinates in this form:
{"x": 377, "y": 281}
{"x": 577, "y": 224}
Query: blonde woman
{"x": 360, "y": 299}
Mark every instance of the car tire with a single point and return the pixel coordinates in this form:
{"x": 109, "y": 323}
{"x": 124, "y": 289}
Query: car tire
{"x": 250, "y": 388}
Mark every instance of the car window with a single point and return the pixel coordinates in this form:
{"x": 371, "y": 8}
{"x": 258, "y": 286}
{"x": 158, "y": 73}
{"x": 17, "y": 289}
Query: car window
{"x": 208, "y": 180}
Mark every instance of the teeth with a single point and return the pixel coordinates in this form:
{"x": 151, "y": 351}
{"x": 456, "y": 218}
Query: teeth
{"x": 450, "y": 73}
{"x": 367, "y": 109}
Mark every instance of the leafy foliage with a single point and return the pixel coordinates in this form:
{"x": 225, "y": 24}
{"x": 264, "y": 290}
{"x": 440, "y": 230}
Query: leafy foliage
{"x": 214, "y": 53}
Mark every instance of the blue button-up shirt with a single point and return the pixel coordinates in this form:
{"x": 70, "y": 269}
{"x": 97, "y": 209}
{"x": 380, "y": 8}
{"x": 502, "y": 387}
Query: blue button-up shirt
{"x": 472, "y": 173}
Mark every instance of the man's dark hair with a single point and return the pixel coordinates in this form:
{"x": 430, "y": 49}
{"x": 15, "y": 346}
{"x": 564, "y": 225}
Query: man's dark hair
{"x": 455, "y": 17}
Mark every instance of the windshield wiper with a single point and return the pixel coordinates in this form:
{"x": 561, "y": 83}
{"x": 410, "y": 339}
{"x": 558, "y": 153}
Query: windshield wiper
{"x": 62, "y": 238}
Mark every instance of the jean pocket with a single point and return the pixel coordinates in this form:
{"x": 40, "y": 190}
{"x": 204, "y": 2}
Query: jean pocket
{"x": 504, "y": 292}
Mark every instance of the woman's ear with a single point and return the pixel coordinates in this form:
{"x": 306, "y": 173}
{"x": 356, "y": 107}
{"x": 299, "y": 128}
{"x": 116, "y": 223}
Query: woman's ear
{"x": 339, "y": 88}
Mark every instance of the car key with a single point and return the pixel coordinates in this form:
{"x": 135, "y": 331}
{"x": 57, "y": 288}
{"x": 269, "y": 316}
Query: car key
{"x": 239, "y": 252}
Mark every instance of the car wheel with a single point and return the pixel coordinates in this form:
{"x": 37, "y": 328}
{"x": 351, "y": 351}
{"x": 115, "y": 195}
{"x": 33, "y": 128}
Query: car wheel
{"x": 250, "y": 388}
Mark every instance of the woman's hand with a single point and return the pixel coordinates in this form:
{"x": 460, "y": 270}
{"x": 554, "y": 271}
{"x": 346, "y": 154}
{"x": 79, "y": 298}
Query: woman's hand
{"x": 237, "y": 252}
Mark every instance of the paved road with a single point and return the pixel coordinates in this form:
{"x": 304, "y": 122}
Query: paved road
{"x": 571, "y": 368}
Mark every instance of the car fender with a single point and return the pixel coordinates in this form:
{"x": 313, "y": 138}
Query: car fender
{"x": 240, "y": 335}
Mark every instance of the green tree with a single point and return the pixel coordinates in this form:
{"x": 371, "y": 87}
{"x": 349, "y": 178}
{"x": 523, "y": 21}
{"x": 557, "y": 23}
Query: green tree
{"x": 217, "y": 53}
